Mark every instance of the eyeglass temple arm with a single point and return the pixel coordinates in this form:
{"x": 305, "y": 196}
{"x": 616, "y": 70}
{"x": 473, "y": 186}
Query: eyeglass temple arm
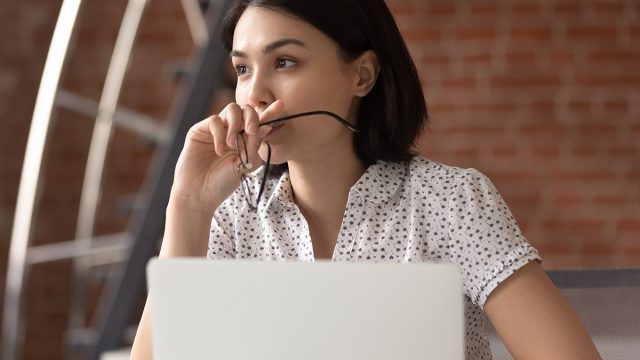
{"x": 319, "y": 112}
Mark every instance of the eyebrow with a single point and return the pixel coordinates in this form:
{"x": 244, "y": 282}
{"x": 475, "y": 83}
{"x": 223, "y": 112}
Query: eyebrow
{"x": 271, "y": 47}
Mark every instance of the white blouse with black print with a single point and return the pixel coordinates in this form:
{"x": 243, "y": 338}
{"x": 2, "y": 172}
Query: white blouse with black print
{"x": 417, "y": 211}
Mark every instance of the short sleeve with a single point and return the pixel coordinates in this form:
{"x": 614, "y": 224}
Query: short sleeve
{"x": 485, "y": 240}
{"x": 221, "y": 241}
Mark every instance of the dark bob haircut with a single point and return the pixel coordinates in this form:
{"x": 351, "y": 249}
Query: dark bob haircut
{"x": 393, "y": 113}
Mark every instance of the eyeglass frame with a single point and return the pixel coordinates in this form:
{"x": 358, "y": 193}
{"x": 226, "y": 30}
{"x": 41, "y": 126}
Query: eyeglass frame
{"x": 246, "y": 165}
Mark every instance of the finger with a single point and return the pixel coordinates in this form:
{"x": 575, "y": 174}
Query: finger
{"x": 218, "y": 130}
{"x": 272, "y": 112}
{"x": 253, "y": 145}
{"x": 200, "y": 132}
{"x": 254, "y": 142}
{"x": 235, "y": 123}
{"x": 251, "y": 119}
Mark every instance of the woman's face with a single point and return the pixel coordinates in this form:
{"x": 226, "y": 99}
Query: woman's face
{"x": 280, "y": 57}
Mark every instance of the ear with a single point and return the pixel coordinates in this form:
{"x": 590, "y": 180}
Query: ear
{"x": 366, "y": 69}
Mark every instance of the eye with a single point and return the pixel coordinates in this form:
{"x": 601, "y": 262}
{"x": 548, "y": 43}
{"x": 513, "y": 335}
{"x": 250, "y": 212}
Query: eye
{"x": 241, "y": 69}
{"x": 285, "y": 63}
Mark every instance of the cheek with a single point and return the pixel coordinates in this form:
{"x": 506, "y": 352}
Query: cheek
{"x": 315, "y": 93}
{"x": 333, "y": 89}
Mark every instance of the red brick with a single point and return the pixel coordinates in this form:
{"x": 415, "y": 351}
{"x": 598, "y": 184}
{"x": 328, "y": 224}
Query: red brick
{"x": 525, "y": 81}
{"x": 578, "y": 224}
{"x": 510, "y": 151}
{"x": 567, "y": 200}
{"x": 634, "y": 32}
{"x": 468, "y": 152}
{"x": 614, "y": 56}
{"x": 491, "y": 107}
{"x": 422, "y": 35}
{"x": 520, "y": 57}
{"x": 568, "y": 8}
{"x": 402, "y": 8}
{"x": 591, "y": 32}
{"x": 459, "y": 83}
{"x": 475, "y": 33}
{"x": 477, "y": 8}
{"x": 597, "y": 261}
{"x": 608, "y": 200}
{"x": 472, "y": 129}
{"x": 580, "y": 105}
{"x": 545, "y": 152}
{"x": 633, "y": 249}
{"x": 608, "y": 80}
{"x": 561, "y": 57}
{"x": 524, "y": 200}
{"x": 609, "y": 7}
{"x": 512, "y": 176}
{"x": 599, "y": 249}
{"x": 525, "y": 7}
{"x": 477, "y": 59}
{"x": 435, "y": 59}
{"x": 598, "y": 128}
{"x": 442, "y": 107}
{"x": 520, "y": 34}
{"x": 542, "y": 105}
{"x": 629, "y": 225}
{"x": 554, "y": 249}
{"x": 584, "y": 151}
{"x": 622, "y": 150}
{"x": 540, "y": 127}
{"x": 441, "y": 9}
{"x": 616, "y": 105}
{"x": 628, "y": 260}
{"x": 569, "y": 175}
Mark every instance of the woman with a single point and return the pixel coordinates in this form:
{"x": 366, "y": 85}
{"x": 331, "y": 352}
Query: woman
{"x": 346, "y": 185}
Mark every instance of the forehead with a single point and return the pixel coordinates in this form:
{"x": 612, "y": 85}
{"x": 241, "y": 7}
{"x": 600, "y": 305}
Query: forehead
{"x": 260, "y": 25}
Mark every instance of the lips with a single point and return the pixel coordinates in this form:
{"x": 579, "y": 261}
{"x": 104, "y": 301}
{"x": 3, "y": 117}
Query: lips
{"x": 275, "y": 128}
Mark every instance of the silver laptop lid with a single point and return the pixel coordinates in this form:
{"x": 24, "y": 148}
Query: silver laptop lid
{"x": 204, "y": 309}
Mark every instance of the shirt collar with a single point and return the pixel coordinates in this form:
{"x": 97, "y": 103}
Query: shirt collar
{"x": 283, "y": 190}
{"x": 378, "y": 183}
{"x": 381, "y": 181}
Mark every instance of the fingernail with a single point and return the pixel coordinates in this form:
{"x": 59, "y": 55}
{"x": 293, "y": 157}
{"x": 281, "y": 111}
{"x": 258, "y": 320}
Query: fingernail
{"x": 253, "y": 128}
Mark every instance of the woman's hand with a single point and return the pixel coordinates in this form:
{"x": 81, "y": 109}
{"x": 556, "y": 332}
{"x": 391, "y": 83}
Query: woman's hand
{"x": 207, "y": 169}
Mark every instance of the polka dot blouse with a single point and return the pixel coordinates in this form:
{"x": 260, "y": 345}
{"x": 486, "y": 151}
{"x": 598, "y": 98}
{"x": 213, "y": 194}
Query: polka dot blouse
{"x": 417, "y": 211}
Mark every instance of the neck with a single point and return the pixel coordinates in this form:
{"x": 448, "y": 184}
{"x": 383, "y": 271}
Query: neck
{"x": 321, "y": 183}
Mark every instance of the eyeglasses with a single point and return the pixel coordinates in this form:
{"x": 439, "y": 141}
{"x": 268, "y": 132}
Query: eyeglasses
{"x": 243, "y": 154}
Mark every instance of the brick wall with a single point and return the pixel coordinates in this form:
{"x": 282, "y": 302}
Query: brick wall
{"x": 542, "y": 96}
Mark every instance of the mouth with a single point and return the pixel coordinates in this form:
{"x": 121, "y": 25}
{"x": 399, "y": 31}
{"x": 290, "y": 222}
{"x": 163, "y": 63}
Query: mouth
{"x": 275, "y": 128}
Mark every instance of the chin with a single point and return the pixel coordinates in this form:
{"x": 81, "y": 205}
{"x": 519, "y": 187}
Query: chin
{"x": 276, "y": 157}
{"x": 278, "y": 161}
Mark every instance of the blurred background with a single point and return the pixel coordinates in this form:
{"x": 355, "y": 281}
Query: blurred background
{"x": 543, "y": 96}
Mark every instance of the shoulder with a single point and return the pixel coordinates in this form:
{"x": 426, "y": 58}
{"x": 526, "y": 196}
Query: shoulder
{"x": 429, "y": 175}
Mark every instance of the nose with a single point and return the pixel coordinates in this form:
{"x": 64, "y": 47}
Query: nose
{"x": 259, "y": 94}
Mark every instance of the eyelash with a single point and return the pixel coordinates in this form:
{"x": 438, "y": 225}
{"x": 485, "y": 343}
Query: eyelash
{"x": 280, "y": 60}
{"x": 239, "y": 68}
{"x": 242, "y": 69}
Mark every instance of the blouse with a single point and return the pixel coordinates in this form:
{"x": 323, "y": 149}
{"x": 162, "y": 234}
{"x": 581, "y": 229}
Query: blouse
{"x": 414, "y": 211}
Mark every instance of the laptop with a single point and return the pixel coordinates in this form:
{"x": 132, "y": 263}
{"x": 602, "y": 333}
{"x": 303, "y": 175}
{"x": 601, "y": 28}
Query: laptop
{"x": 238, "y": 309}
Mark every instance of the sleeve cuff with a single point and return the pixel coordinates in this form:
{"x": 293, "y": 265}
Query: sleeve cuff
{"x": 501, "y": 269}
